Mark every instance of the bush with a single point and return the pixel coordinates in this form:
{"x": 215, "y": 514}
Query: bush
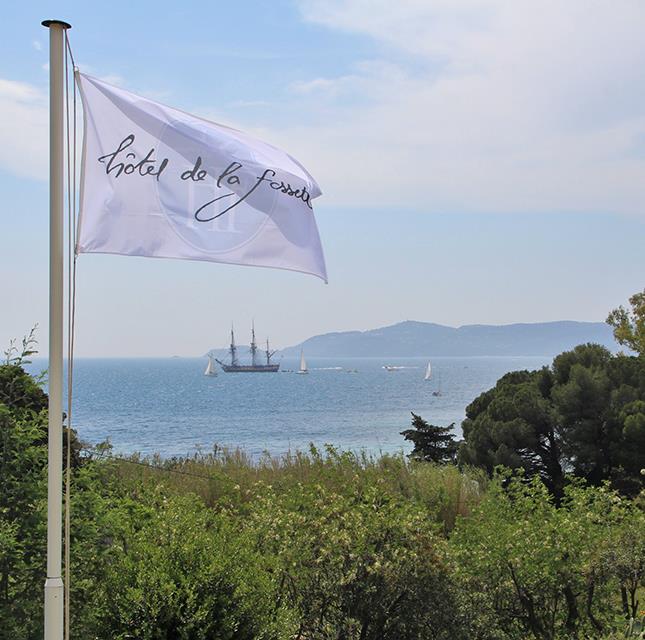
{"x": 368, "y": 566}
{"x": 179, "y": 570}
{"x": 23, "y": 492}
{"x": 546, "y": 572}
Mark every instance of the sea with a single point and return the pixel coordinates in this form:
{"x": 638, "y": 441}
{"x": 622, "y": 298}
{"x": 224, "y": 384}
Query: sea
{"x": 168, "y": 406}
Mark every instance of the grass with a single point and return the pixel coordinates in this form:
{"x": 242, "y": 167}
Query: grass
{"x": 227, "y": 478}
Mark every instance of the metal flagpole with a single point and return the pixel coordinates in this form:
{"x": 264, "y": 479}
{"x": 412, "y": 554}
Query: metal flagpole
{"x": 54, "y": 582}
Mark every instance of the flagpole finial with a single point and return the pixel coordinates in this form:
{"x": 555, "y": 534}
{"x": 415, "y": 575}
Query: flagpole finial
{"x": 62, "y": 23}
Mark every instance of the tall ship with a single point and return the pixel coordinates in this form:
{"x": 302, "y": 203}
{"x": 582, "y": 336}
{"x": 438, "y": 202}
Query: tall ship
{"x": 256, "y": 365}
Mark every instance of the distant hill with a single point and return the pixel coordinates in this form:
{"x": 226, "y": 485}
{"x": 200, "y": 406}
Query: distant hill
{"x": 407, "y": 339}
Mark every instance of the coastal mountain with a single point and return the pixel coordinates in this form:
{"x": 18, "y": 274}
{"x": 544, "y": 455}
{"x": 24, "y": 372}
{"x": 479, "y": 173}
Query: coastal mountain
{"x": 410, "y": 338}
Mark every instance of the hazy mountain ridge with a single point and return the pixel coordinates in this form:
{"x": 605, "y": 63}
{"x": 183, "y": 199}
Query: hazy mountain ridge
{"x": 413, "y": 338}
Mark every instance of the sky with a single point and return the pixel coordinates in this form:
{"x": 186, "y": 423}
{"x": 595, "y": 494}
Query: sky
{"x": 480, "y": 162}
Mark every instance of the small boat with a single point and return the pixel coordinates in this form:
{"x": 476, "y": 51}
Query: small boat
{"x": 210, "y": 367}
{"x": 428, "y": 374}
{"x": 303, "y": 363}
{"x": 391, "y": 367}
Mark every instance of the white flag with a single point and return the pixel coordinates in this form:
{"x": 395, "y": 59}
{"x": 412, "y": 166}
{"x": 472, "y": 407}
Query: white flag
{"x": 163, "y": 183}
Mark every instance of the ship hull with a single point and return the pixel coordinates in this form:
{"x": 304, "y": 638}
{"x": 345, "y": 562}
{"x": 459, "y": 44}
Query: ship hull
{"x": 249, "y": 368}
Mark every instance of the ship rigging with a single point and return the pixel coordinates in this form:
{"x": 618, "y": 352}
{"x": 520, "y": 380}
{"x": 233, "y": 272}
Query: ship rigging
{"x": 255, "y": 366}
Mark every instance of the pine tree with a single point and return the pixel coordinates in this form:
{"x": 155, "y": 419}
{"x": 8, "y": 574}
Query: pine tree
{"x": 431, "y": 443}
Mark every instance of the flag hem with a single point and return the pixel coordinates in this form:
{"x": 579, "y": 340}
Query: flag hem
{"x": 80, "y": 251}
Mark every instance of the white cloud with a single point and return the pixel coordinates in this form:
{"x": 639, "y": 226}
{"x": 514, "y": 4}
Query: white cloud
{"x": 471, "y": 105}
{"x": 24, "y": 125}
{"x": 491, "y": 106}
{"x": 24, "y": 130}
{"x": 36, "y": 45}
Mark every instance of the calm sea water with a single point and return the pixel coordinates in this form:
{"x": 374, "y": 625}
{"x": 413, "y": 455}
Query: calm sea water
{"x": 168, "y": 406}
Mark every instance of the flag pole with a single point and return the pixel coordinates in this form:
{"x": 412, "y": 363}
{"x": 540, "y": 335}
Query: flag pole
{"x": 54, "y": 583}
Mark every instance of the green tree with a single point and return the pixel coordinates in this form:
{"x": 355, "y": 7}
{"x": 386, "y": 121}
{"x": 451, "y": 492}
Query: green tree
{"x": 19, "y": 390}
{"x": 514, "y": 425}
{"x": 629, "y": 326}
{"x": 23, "y": 491}
{"x": 431, "y": 443}
{"x": 583, "y": 415}
{"x": 23, "y": 393}
{"x": 23, "y": 459}
{"x": 23, "y": 494}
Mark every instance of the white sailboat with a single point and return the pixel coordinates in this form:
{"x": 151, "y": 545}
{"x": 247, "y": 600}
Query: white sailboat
{"x": 210, "y": 367}
{"x": 303, "y": 363}
{"x": 428, "y": 374}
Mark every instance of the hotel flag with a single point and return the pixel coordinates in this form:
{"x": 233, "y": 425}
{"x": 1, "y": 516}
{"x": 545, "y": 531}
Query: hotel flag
{"x": 158, "y": 182}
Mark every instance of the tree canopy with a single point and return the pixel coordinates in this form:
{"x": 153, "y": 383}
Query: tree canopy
{"x": 629, "y": 326}
{"x": 584, "y": 415}
{"x": 431, "y": 443}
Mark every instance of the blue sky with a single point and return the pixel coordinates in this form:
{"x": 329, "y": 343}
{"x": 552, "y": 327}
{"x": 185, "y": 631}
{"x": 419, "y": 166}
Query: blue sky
{"x": 480, "y": 163}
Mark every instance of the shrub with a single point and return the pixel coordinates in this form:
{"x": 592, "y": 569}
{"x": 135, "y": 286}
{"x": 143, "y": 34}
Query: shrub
{"x": 544, "y": 571}
{"x": 179, "y": 570}
{"x": 365, "y": 566}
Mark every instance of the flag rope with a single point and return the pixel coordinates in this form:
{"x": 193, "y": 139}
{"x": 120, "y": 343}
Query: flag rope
{"x": 71, "y": 312}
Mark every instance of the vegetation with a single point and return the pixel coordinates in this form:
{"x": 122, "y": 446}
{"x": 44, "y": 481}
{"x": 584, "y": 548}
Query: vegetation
{"x": 431, "y": 443}
{"x": 629, "y": 326}
{"x": 539, "y": 533}
{"x": 584, "y": 416}
{"x": 317, "y": 545}
{"x": 550, "y": 571}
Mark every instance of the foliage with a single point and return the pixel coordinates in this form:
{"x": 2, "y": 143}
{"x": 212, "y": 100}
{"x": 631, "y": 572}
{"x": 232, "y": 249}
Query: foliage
{"x": 332, "y": 545}
{"x": 444, "y": 490}
{"x": 23, "y": 493}
{"x": 24, "y": 395}
{"x": 431, "y": 443}
{"x": 179, "y": 570}
{"x": 356, "y": 567}
{"x": 19, "y": 391}
{"x": 624, "y": 554}
{"x": 629, "y": 326}
{"x": 20, "y": 355}
{"x": 535, "y": 569}
{"x": 583, "y": 415}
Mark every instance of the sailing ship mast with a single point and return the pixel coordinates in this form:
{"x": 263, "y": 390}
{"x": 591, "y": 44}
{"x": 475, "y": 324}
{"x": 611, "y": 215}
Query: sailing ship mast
{"x": 254, "y": 346}
{"x": 233, "y": 349}
{"x": 269, "y": 353}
